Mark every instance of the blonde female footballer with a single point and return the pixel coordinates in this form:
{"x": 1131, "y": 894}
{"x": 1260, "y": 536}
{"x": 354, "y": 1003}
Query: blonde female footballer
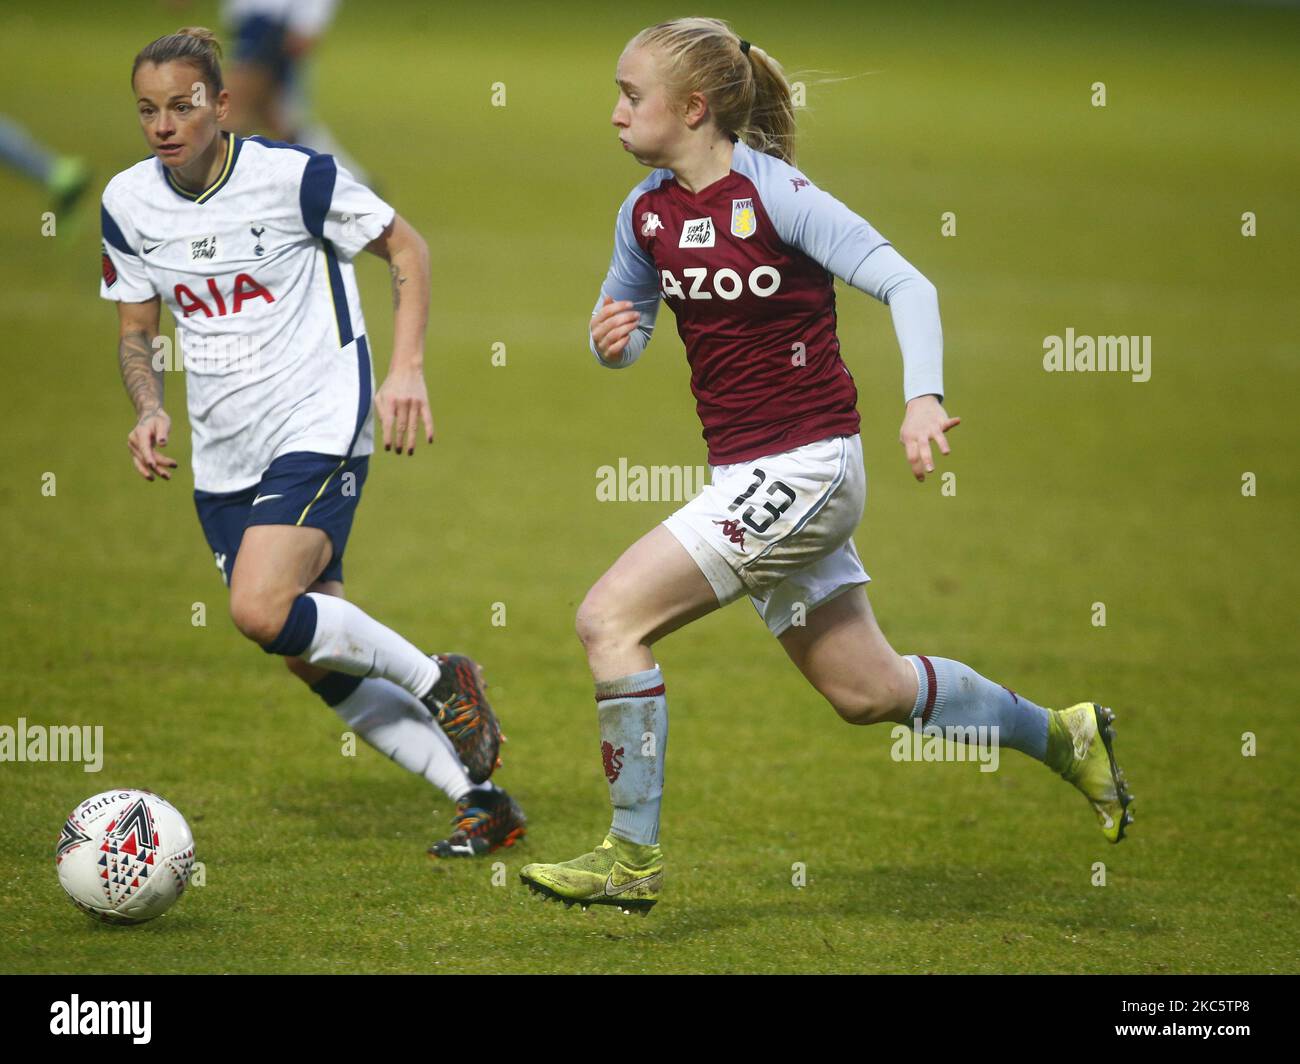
{"x": 249, "y": 243}
{"x": 744, "y": 249}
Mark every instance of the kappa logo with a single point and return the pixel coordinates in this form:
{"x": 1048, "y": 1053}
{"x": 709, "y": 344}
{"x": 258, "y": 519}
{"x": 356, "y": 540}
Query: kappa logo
{"x": 732, "y": 530}
{"x": 743, "y": 221}
{"x": 613, "y": 760}
{"x": 203, "y": 249}
{"x": 649, "y": 223}
{"x": 696, "y": 233}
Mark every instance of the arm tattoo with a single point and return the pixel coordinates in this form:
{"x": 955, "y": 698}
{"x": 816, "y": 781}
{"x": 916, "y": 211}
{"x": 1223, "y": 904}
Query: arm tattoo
{"x": 398, "y": 281}
{"x": 144, "y": 383}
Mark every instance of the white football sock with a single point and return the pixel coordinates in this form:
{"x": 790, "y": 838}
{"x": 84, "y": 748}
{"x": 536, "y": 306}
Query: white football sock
{"x": 396, "y": 724}
{"x": 349, "y": 640}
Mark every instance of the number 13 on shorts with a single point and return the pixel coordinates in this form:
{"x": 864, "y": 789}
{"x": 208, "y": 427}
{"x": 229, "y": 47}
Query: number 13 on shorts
{"x": 772, "y": 516}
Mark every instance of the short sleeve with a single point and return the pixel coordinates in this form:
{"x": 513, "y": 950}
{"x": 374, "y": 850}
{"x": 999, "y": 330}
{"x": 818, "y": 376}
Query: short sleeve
{"x": 122, "y": 274}
{"x": 338, "y": 208}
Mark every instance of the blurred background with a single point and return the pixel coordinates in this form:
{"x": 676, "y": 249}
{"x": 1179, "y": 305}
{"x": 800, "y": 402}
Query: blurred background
{"x": 1072, "y": 489}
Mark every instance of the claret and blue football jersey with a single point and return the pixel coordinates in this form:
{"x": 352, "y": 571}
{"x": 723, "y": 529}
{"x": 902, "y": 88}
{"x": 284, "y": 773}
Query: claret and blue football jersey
{"x": 747, "y": 265}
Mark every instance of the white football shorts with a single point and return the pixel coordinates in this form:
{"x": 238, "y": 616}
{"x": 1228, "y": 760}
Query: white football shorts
{"x": 780, "y": 528}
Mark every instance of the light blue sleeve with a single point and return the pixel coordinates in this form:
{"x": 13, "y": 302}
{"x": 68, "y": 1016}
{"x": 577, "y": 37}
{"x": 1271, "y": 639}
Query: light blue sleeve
{"x": 849, "y": 247}
{"x": 632, "y": 276}
{"x": 914, "y": 305}
{"x": 807, "y": 218}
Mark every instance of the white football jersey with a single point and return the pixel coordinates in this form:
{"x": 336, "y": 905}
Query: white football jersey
{"x": 257, "y": 272}
{"x": 308, "y": 17}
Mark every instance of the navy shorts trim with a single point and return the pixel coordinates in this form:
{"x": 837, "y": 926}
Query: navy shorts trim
{"x": 260, "y": 41}
{"x": 302, "y": 488}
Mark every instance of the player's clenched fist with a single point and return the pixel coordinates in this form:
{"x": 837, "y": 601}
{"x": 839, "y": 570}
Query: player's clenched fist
{"x": 611, "y": 325}
{"x": 150, "y": 433}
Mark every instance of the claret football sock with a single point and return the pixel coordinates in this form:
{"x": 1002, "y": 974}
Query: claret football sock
{"x": 952, "y": 694}
{"x": 335, "y": 634}
{"x": 397, "y": 724}
{"x": 633, "y": 736}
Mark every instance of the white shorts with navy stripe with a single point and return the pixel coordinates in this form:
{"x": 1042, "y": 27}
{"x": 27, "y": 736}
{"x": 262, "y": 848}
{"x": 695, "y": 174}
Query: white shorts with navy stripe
{"x": 780, "y": 529}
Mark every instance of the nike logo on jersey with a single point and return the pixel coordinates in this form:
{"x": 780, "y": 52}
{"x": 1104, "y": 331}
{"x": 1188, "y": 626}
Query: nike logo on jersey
{"x": 263, "y": 498}
{"x": 154, "y": 248}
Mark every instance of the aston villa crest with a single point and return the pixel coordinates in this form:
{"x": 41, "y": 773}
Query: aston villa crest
{"x": 743, "y": 221}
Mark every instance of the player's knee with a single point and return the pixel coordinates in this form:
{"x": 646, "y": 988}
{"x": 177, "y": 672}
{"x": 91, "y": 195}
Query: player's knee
{"x": 597, "y": 622}
{"x": 857, "y": 707}
{"x": 256, "y": 618}
{"x": 305, "y": 671}
{"x": 588, "y": 621}
{"x": 866, "y": 702}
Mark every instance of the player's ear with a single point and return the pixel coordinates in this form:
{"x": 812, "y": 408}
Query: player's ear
{"x": 696, "y": 111}
{"x": 223, "y": 106}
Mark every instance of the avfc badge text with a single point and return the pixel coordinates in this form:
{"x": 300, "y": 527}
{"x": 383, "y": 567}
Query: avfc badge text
{"x": 743, "y": 221}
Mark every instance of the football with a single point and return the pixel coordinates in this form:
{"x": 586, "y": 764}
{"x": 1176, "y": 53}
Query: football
{"x": 125, "y": 856}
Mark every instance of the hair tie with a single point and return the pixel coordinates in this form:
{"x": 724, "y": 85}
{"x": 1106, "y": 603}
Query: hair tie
{"x": 744, "y": 47}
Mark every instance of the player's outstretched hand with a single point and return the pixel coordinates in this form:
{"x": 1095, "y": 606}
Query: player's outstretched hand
{"x": 150, "y": 433}
{"x": 925, "y": 422}
{"x": 611, "y": 326}
{"x": 403, "y": 402}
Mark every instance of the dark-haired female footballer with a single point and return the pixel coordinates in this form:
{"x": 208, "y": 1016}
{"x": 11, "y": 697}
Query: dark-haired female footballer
{"x": 744, "y": 249}
{"x": 249, "y": 243}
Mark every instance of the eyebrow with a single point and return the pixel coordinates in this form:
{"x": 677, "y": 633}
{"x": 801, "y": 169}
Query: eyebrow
{"x": 170, "y": 99}
{"x": 625, "y": 85}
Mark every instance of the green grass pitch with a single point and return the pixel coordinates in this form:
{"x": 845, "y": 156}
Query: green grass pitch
{"x": 1072, "y": 489}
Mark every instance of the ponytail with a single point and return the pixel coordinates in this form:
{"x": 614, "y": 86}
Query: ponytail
{"x": 771, "y": 126}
